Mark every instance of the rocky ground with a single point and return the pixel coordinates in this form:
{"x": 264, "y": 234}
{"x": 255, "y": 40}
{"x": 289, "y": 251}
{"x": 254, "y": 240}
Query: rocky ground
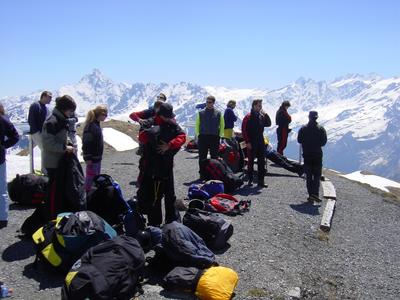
{"x": 277, "y": 248}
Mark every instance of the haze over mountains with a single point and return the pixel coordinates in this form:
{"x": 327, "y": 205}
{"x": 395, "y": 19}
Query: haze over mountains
{"x": 361, "y": 113}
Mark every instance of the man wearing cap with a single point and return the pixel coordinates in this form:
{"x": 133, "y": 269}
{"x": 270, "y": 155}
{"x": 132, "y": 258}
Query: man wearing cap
{"x": 283, "y": 120}
{"x": 209, "y": 129}
{"x": 312, "y": 137}
{"x": 156, "y": 177}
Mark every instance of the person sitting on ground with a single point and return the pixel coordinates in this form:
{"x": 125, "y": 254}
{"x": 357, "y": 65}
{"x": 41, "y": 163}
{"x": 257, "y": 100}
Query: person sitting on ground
{"x": 312, "y": 138}
{"x": 253, "y": 133}
{"x": 8, "y": 138}
{"x": 230, "y": 118}
{"x": 281, "y": 160}
{"x": 92, "y": 143}
{"x": 156, "y": 177}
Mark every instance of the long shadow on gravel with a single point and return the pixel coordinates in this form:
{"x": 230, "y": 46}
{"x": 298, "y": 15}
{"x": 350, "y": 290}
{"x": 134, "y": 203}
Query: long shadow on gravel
{"x": 18, "y": 251}
{"x": 46, "y": 278}
{"x": 306, "y": 208}
{"x": 269, "y": 174}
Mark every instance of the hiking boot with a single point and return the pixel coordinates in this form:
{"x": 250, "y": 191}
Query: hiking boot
{"x": 262, "y": 184}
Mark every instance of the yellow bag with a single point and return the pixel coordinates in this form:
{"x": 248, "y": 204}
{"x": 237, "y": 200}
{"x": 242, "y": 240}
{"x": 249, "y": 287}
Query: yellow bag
{"x": 217, "y": 283}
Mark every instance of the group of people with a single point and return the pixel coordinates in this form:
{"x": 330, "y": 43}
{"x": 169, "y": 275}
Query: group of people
{"x": 160, "y": 138}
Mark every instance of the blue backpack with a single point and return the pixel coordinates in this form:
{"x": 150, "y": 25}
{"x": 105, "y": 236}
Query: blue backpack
{"x": 206, "y": 190}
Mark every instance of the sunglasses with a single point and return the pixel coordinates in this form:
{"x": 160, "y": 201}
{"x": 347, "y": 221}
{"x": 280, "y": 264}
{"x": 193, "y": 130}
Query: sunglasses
{"x": 209, "y": 102}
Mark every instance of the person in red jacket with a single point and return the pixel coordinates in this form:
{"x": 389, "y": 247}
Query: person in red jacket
{"x": 253, "y": 134}
{"x": 283, "y": 120}
{"x": 160, "y": 142}
{"x": 141, "y": 116}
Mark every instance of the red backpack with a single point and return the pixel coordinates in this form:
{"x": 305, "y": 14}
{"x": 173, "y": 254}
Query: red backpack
{"x": 229, "y": 205}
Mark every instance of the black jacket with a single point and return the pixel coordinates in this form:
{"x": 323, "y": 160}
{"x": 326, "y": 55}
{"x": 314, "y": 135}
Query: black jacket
{"x": 282, "y": 118}
{"x": 312, "y": 137}
{"x": 92, "y": 142}
{"x": 8, "y": 137}
{"x": 253, "y": 128}
{"x": 158, "y": 165}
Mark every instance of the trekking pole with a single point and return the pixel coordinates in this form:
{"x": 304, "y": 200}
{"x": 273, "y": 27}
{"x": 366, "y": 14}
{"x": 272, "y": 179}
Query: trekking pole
{"x": 31, "y": 166}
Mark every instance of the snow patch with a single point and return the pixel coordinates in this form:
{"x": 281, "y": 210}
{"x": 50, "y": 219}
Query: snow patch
{"x": 373, "y": 180}
{"x": 118, "y": 140}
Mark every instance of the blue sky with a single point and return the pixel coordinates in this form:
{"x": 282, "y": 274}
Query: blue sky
{"x": 46, "y": 44}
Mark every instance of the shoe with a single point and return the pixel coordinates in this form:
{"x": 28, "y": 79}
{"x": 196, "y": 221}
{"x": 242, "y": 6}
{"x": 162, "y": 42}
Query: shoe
{"x": 250, "y": 183}
{"x": 262, "y": 184}
{"x": 300, "y": 174}
{"x": 3, "y": 224}
{"x": 310, "y": 199}
{"x": 315, "y": 198}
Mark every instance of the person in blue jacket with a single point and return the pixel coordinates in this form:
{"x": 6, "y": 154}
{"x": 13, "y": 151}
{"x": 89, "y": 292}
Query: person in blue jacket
{"x": 230, "y": 118}
{"x": 8, "y": 138}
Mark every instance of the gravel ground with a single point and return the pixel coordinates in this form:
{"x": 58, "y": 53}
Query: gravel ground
{"x": 277, "y": 247}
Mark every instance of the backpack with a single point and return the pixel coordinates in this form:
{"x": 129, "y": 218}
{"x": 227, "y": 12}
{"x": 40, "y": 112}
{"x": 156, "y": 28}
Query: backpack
{"x": 192, "y": 146}
{"x": 213, "y": 229}
{"x": 206, "y": 190}
{"x": 62, "y": 241}
{"x": 28, "y": 189}
{"x": 183, "y": 247}
{"x": 229, "y": 151}
{"x": 229, "y": 205}
{"x": 217, "y": 283}
{"x": 110, "y": 270}
{"x": 105, "y": 199}
{"x": 217, "y": 169}
{"x": 133, "y": 220}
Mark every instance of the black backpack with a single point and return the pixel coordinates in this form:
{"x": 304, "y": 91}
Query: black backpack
{"x": 28, "y": 189}
{"x": 62, "y": 241}
{"x": 213, "y": 229}
{"x": 110, "y": 270}
{"x": 183, "y": 247}
{"x": 105, "y": 199}
{"x": 218, "y": 170}
{"x": 230, "y": 152}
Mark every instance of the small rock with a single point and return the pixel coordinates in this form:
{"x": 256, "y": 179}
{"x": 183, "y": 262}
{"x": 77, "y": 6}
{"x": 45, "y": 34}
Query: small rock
{"x": 295, "y": 293}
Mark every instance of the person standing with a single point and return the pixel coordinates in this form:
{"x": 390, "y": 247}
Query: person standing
{"x": 142, "y": 116}
{"x": 38, "y": 113}
{"x": 230, "y": 118}
{"x": 156, "y": 178}
{"x": 92, "y": 143}
{"x": 312, "y": 137}
{"x": 283, "y": 120}
{"x": 253, "y": 134}
{"x": 55, "y": 144}
{"x": 209, "y": 129}
{"x": 8, "y": 138}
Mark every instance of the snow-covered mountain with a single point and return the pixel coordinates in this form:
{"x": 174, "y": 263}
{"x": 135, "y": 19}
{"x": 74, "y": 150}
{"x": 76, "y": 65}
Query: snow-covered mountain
{"x": 360, "y": 113}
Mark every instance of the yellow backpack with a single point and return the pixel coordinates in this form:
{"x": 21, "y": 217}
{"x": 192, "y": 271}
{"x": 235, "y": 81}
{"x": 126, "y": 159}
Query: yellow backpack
{"x": 217, "y": 283}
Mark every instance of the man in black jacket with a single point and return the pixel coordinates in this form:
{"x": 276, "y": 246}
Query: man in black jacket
{"x": 253, "y": 133}
{"x": 312, "y": 137}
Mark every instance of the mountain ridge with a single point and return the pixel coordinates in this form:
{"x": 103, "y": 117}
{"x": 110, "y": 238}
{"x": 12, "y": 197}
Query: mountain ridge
{"x": 359, "y": 112}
